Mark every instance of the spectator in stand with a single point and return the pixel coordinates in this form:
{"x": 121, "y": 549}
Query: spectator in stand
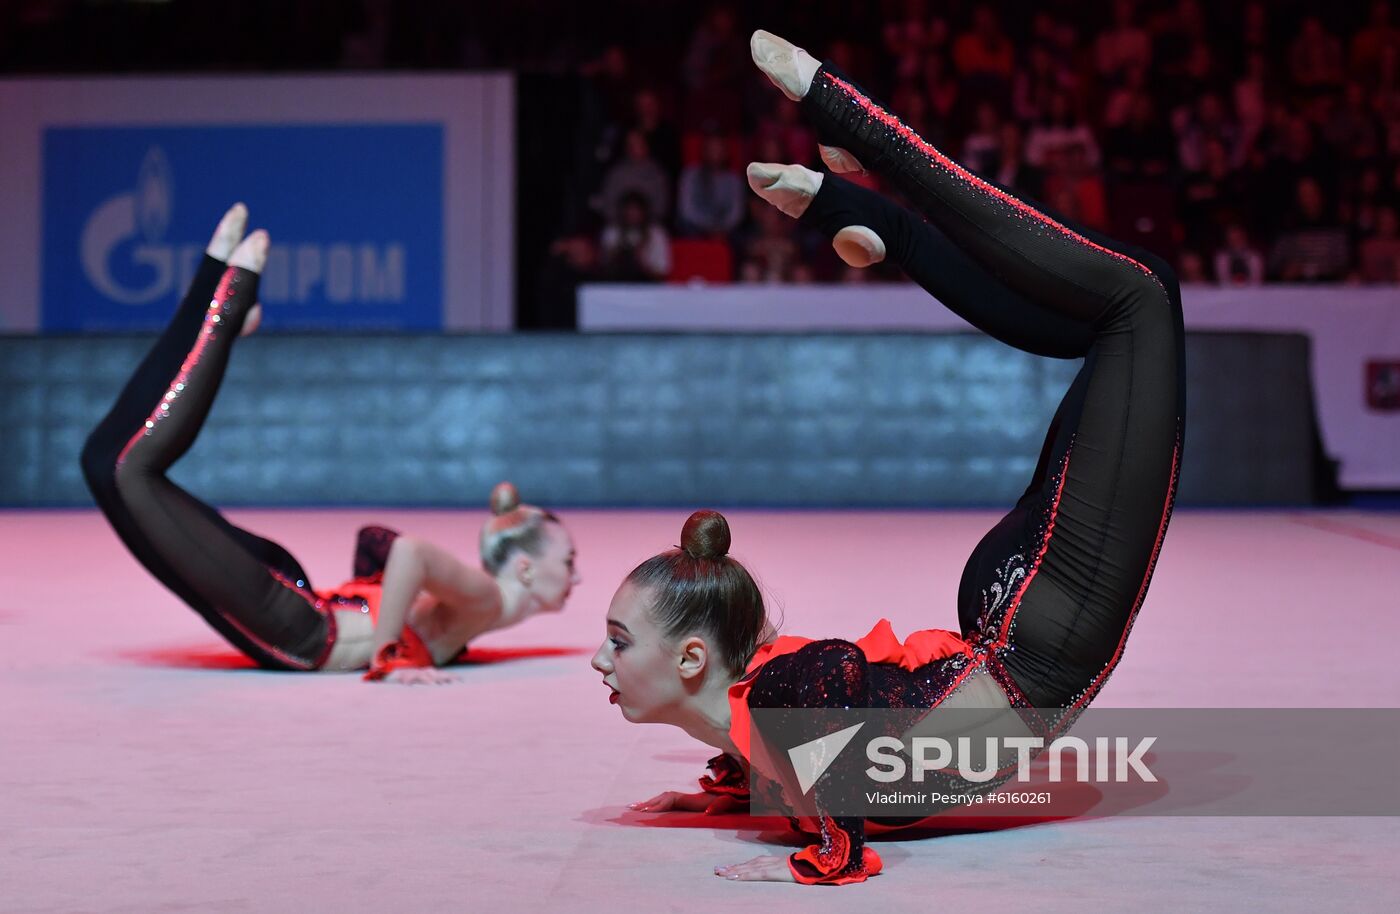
{"x": 1361, "y": 208}
{"x": 1293, "y": 155}
{"x": 1038, "y": 83}
{"x": 795, "y": 141}
{"x": 1212, "y": 196}
{"x": 937, "y": 37}
{"x": 1045, "y": 29}
{"x": 1012, "y": 170}
{"x": 1182, "y": 62}
{"x": 1251, "y": 97}
{"x": 610, "y": 76}
{"x": 940, "y": 89}
{"x": 634, "y": 247}
{"x": 1207, "y": 120}
{"x": 1124, "y": 96}
{"x": 1291, "y": 90}
{"x": 1380, "y": 253}
{"x": 767, "y": 147}
{"x": 771, "y": 253}
{"x": 1061, "y": 39}
{"x": 906, "y": 38}
{"x": 1050, "y": 141}
{"x": 1375, "y": 45}
{"x": 1175, "y": 29}
{"x": 711, "y": 198}
{"x": 983, "y": 56}
{"x": 982, "y": 148}
{"x": 1315, "y": 248}
{"x": 1125, "y": 44}
{"x": 717, "y": 55}
{"x": 662, "y": 139}
{"x": 907, "y": 33}
{"x": 636, "y": 173}
{"x": 1315, "y": 57}
{"x": 1197, "y": 74}
{"x": 1255, "y": 35}
{"x": 1352, "y": 128}
{"x": 1191, "y": 267}
{"x": 1077, "y": 189}
{"x": 572, "y": 260}
{"x": 1238, "y": 263}
{"x": 1141, "y": 147}
{"x": 1273, "y": 138}
{"x": 714, "y": 69}
{"x": 914, "y": 111}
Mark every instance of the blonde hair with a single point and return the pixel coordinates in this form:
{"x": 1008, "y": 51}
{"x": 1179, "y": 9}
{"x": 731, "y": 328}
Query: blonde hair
{"x": 513, "y": 527}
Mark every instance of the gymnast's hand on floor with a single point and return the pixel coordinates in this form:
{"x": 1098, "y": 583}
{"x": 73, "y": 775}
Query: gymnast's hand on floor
{"x": 675, "y": 801}
{"x": 420, "y": 675}
{"x": 767, "y": 868}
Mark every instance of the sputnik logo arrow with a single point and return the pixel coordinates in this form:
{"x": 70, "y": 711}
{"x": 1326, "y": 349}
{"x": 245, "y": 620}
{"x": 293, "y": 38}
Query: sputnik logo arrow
{"x": 810, "y": 760}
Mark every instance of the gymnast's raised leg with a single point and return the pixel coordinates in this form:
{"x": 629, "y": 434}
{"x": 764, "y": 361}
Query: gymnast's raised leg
{"x": 248, "y": 588}
{"x": 1053, "y": 589}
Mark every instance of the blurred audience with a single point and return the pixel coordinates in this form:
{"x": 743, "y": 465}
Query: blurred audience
{"x": 1249, "y": 140}
{"x": 1237, "y": 262}
{"x": 1380, "y": 252}
{"x": 711, "y": 199}
{"x": 1251, "y": 143}
{"x": 1314, "y": 248}
{"x": 634, "y": 246}
{"x": 636, "y": 174}
{"x": 770, "y": 251}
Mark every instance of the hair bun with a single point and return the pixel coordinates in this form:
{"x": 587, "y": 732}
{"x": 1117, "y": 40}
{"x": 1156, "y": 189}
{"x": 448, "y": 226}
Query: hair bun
{"x": 705, "y": 535}
{"x": 504, "y": 499}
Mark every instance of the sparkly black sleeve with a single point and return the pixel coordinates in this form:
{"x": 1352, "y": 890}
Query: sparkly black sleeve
{"x": 823, "y": 674}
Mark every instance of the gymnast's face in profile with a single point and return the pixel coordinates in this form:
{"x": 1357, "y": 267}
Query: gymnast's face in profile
{"x": 650, "y": 675}
{"x": 551, "y": 574}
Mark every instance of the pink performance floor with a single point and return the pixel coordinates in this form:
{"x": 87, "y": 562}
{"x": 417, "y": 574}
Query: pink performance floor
{"x": 142, "y": 770}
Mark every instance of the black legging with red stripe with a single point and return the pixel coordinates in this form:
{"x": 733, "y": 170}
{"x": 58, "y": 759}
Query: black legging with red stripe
{"x": 1054, "y": 587}
{"x": 251, "y": 590}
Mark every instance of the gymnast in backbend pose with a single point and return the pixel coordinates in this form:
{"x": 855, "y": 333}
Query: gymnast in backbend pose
{"x": 411, "y": 605}
{"x": 1049, "y": 595}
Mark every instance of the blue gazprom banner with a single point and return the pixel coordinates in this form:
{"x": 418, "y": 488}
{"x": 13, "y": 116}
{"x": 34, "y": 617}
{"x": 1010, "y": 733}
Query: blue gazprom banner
{"x": 355, "y": 214}
{"x": 390, "y": 199}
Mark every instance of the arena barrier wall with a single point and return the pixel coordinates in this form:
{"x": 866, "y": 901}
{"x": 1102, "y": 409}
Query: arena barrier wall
{"x": 860, "y": 420}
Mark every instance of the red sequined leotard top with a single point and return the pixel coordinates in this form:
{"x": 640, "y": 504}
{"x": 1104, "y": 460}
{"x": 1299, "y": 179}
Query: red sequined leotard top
{"x": 876, "y": 671}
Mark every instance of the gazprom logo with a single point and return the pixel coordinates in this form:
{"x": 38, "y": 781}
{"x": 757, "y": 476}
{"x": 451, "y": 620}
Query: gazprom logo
{"x": 135, "y": 223}
{"x": 143, "y": 212}
{"x": 355, "y": 212}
